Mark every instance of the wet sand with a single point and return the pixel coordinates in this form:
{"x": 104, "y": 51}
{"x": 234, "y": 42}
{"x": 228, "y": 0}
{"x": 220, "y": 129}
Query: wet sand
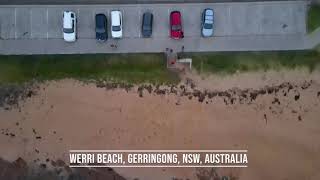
{"x": 279, "y": 127}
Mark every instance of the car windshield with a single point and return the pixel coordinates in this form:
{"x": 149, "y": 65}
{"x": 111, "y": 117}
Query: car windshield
{"x": 68, "y": 30}
{"x": 207, "y": 26}
{"x": 116, "y": 28}
{"x": 100, "y": 30}
{"x": 176, "y": 27}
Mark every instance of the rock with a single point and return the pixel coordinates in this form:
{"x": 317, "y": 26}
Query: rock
{"x": 140, "y": 91}
{"x": 60, "y": 163}
{"x": 276, "y": 100}
{"x": 253, "y": 96}
{"x": 43, "y": 166}
{"x": 20, "y": 163}
{"x": 148, "y": 88}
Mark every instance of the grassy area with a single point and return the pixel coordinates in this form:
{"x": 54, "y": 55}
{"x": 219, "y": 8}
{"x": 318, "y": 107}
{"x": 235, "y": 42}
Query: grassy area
{"x": 133, "y": 68}
{"x": 139, "y": 68}
{"x": 313, "y": 18}
{"x": 253, "y": 61}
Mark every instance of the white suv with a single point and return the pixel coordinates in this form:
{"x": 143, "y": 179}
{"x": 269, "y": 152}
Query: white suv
{"x": 116, "y": 24}
{"x": 69, "y": 26}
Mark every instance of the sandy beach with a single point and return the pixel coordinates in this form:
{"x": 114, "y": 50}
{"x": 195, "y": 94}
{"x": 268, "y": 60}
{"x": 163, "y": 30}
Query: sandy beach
{"x": 274, "y": 115}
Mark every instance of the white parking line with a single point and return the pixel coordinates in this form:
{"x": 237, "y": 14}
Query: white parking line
{"x": 229, "y": 21}
{"x": 15, "y": 23}
{"x": 31, "y": 23}
{"x": 140, "y": 22}
{"x": 47, "y": 24}
{"x": 260, "y": 23}
{"x": 77, "y": 22}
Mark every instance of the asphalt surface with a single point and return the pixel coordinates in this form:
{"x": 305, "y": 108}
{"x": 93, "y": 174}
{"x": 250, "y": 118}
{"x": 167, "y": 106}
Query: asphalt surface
{"x": 56, "y": 2}
{"x": 238, "y": 27}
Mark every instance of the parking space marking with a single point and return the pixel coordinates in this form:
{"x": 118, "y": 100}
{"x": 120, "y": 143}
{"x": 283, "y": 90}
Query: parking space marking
{"x": 22, "y": 23}
{"x": 39, "y": 24}
{"x": 86, "y": 23}
{"x": 47, "y": 24}
{"x": 7, "y": 23}
{"x": 140, "y": 21}
{"x": 31, "y": 24}
{"x": 55, "y": 23}
{"x": 15, "y": 23}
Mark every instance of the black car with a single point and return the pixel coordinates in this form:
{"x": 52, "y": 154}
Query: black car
{"x": 101, "y": 27}
{"x": 147, "y": 20}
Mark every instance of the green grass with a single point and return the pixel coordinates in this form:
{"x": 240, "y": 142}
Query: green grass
{"x": 231, "y": 62}
{"x": 133, "y": 68}
{"x": 142, "y": 68}
{"x": 313, "y": 18}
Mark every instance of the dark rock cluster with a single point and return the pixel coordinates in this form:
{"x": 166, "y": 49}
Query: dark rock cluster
{"x": 11, "y": 95}
{"x": 20, "y": 170}
{"x": 113, "y": 85}
{"x": 231, "y": 96}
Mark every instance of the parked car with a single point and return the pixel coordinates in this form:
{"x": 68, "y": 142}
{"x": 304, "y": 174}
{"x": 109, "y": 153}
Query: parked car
{"x": 147, "y": 21}
{"x": 207, "y": 23}
{"x": 176, "y": 31}
{"x": 69, "y": 26}
{"x": 101, "y": 27}
{"x": 116, "y": 24}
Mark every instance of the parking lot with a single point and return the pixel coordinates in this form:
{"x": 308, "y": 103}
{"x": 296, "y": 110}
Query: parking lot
{"x": 231, "y": 19}
{"x": 249, "y": 26}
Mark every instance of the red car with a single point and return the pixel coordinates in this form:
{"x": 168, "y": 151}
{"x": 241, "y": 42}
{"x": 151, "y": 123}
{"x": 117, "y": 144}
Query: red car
{"x": 176, "y": 25}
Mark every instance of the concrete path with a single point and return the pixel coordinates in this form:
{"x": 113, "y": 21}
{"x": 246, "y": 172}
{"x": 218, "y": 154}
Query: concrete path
{"x": 262, "y": 26}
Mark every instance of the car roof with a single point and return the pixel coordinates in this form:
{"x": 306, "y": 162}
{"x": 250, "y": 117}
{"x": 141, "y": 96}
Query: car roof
{"x": 67, "y": 20}
{"x": 208, "y": 16}
{"x": 100, "y": 19}
{"x": 175, "y": 17}
{"x": 115, "y": 17}
{"x": 147, "y": 17}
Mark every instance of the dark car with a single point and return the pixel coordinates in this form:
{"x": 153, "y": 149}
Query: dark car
{"x": 101, "y": 27}
{"x": 147, "y": 21}
{"x": 176, "y": 31}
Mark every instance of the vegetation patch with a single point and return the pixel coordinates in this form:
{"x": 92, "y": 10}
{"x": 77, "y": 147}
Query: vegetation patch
{"x": 313, "y": 17}
{"x": 231, "y": 62}
{"x": 129, "y": 68}
{"x": 144, "y": 68}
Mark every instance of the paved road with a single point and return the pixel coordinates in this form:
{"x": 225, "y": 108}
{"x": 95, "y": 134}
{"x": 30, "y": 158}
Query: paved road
{"x": 238, "y": 26}
{"x": 25, "y": 2}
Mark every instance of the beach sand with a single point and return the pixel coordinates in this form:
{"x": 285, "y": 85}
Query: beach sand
{"x": 280, "y": 130}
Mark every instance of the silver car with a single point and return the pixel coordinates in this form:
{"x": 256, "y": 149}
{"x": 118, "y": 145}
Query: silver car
{"x": 207, "y": 23}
